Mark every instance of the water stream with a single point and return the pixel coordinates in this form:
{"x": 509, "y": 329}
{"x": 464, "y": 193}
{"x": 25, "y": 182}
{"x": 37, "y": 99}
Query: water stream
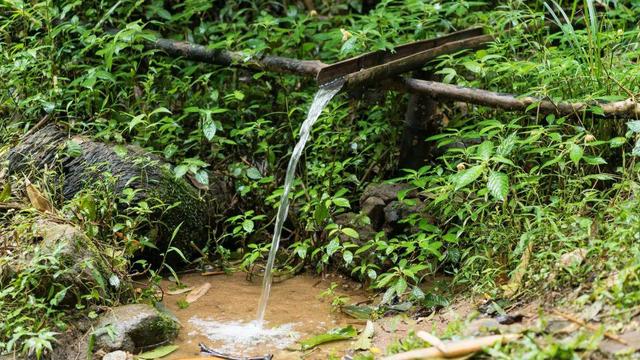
{"x": 320, "y": 100}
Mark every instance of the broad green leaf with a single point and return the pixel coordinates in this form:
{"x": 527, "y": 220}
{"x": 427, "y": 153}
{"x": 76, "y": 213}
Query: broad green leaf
{"x": 485, "y": 150}
{"x": 180, "y": 170}
{"x": 507, "y": 145}
{"x": 498, "y": 185}
{"x": 594, "y": 160}
{"x": 247, "y": 225}
{"x": 575, "y": 153}
{"x": 636, "y": 149}
{"x": 351, "y": 233}
{"x": 333, "y": 246}
{"x": 321, "y": 213}
{"x": 468, "y": 176}
{"x": 209, "y": 129}
{"x": 158, "y": 353}
{"x": 253, "y": 173}
{"x": 617, "y": 142}
{"x": 336, "y": 334}
{"x": 347, "y": 256}
{"x": 634, "y": 126}
{"x": 73, "y": 148}
{"x": 341, "y": 202}
{"x": 401, "y": 286}
{"x": 372, "y": 274}
{"x": 202, "y": 177}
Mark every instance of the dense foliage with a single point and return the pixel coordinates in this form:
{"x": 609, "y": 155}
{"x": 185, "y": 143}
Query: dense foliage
{"x": 533, "y": 184}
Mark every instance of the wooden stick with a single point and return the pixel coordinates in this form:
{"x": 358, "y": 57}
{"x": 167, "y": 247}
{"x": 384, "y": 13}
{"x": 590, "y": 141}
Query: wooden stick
{"x": 235, "y": 58}
{"x": 625, "y": 108}
{"x": 380, "y": 76}
{"x": 40, "y": 124}
{"x": 412, "y": 62}
{"x": 591, "y": 327}
{"x": 433, "y": 340}
{"x": 455, "y": 348}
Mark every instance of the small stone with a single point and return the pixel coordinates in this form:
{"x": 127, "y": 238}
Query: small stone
{"x": 116, "y": 355}
{"x": 385, "y": 192}
{"x": 133, "y": 327}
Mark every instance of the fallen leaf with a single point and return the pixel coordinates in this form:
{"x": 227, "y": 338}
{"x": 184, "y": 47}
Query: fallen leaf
{"x": 336, "y": 334}
{"x": 198, "y": 293}
{"x": 573, "y": 258}
{"x": 158, "y": 353}
{"x": 358, "y": 312}
{"x": 364, "y": 341}
{"x": 37, "y": 199}
{"x": 179, "y": 291}
{"x": 518, "y": 274}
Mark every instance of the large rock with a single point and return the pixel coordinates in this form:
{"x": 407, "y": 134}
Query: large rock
{"x": 385, "y": 192}
{"x": 151, "y": 179}
{"x": 85, "y": 269}
{"x": 134, "y": 328}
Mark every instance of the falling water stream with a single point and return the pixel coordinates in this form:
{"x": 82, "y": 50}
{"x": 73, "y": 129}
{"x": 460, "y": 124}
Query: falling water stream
{"x": 320, "y": 100}
{"x": 242, "y": 335}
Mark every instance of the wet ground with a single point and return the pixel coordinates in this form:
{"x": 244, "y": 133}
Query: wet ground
{"x": 296, "y": 311}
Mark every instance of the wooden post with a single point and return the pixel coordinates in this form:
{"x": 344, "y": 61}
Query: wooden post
{"x": 421, "y": 120}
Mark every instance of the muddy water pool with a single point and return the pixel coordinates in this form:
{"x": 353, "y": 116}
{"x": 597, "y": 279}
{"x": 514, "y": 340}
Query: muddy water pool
{"x": 222, "y": 318}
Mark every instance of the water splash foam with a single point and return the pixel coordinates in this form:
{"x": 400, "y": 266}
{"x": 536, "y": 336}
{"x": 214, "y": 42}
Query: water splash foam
{"x": 239, "y": 336}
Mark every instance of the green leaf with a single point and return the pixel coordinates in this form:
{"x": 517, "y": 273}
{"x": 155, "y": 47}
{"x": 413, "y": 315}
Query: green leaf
{"x": 253, "y": 173}
{"x": 364, "y": 340}
{"x": 575, "y": 153}
{"x": 333, "y": 246}
{"x": 473, "y": 66}
{"x": 468, "y": 176}
{"x": 372, "y": 274}
{"x": 209, "y": 129}
{"x": 321, "y": 213}
{"x": 636, "y": 149}
{"x": 202, "y": 177}
{"x": 73, "y": 148}
{"x": 158, "y": 353}
{"x": 341, "y": 202}
{"x": 498, "y": 185}
{"x": 634, "y": 126}
{"x": 401, "y": 286}
{"x": 180, "y": 170}
{"x": 336, "y": 334}
{"x": 594, "y": 160}
{"x": 247, "y": 225}
{"x": 351, "y": 233}
{"x": 617, "y": 142}
{"x": 485, "y": 150}
{"x": 347, "y": 256}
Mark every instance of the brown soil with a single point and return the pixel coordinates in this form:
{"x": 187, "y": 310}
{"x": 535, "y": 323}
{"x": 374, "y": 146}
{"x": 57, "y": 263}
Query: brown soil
{"x": 233, "y": 298}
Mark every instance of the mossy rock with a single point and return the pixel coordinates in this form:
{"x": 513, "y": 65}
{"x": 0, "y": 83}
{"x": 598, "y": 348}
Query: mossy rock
{"x": 134, "y": 327}
{"x": 174, "y": 201}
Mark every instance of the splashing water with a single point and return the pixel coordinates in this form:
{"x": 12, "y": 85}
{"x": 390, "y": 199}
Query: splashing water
{"x": 320, "y": 100}
{"x": 241, "y": 336}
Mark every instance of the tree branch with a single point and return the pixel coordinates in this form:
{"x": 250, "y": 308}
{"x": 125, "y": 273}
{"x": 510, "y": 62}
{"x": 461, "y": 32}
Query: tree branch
{"x": 384, "y": 75}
